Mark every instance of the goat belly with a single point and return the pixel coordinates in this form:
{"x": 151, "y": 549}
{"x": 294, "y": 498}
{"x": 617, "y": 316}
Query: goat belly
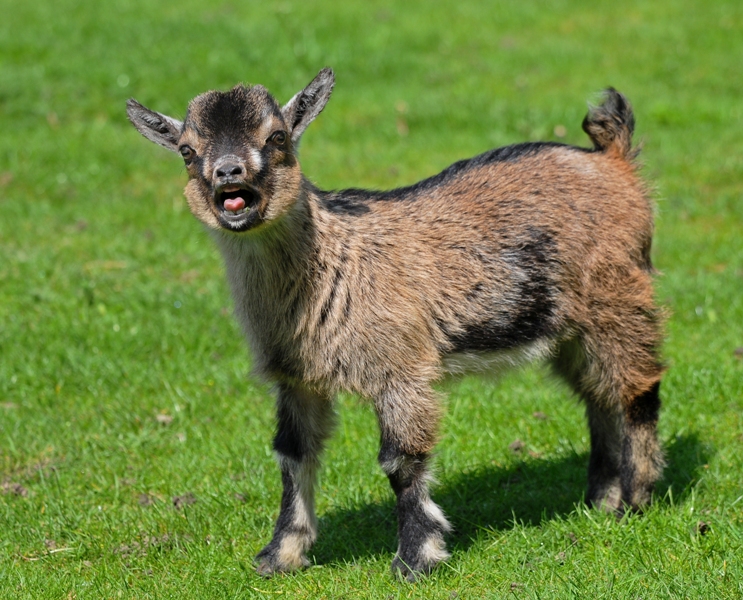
{"x": 496, "y": 362}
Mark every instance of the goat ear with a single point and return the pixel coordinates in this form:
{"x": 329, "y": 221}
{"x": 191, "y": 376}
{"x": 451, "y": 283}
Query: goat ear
{"x": 155, "y": 127}
{"x": 302, "y": 109}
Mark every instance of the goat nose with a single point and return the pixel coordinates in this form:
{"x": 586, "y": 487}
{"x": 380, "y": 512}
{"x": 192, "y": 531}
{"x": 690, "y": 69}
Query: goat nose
{"x": 228, "y": 170}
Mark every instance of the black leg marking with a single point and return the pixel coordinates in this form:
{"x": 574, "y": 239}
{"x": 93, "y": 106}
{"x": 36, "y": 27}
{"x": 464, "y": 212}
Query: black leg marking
{"x": 643, "y": 410}
{"x": 304, "y": 421}
{"x": 642, "y": 459}
{"x": 296, "y": 527}
{"x": 606, "y": 427}
{"x": 626, "y": 459}
{"x": 421, "y": 525}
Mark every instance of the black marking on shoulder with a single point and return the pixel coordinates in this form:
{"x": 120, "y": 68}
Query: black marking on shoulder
{"x": 528, "y": 314}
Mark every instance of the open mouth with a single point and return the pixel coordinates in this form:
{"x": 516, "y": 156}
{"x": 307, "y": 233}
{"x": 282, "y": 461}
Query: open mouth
{"x": 236, "y": 202}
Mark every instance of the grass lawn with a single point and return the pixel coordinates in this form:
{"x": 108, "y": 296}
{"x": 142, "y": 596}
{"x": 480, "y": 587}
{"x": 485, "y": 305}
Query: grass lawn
{"x": 135, "y": 454}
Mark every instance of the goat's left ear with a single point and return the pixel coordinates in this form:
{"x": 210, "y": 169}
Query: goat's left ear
{"x": 302, "y": 109}
{"x": 154, "y": 126}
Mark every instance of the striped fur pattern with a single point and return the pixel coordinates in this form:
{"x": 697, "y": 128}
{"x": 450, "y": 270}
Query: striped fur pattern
{"x": 536, "y": 250}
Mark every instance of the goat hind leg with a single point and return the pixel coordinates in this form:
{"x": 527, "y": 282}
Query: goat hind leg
{"x": 626, "y": 459}
{"x": 642, "y": 460}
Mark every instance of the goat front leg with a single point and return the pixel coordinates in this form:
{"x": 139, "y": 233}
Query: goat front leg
{"x": 304, "y": 422}
{"x": 408, "y": 421}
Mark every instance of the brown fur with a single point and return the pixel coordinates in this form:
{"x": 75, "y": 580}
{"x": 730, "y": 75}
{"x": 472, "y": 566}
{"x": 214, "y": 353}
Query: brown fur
{"x": 538, "y": 250}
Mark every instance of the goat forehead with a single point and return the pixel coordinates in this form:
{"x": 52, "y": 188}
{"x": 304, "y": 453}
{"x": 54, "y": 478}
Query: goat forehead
{"x": 242, "y": 110}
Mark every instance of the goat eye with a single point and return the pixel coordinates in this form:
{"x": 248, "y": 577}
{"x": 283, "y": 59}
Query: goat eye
{"x": 278, "y": 138}
{"x": 187, "y": 152}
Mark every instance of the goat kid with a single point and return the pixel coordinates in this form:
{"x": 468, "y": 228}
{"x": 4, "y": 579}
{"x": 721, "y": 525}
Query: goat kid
{"x": 536, "y": 250}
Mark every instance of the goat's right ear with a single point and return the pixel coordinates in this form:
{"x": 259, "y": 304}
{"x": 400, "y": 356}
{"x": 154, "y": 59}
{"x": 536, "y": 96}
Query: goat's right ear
{"x": 154, "y": 126}
{"x": 302, "y": 109}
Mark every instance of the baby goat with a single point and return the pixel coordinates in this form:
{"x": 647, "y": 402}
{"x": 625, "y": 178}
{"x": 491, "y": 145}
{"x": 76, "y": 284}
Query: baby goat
{"x": 533, "y": 250}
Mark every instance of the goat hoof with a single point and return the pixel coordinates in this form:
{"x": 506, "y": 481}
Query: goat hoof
{"x": 268, "y": 563}
{"x": 607, "y": 498}
{"x": 265, "y": 567}
{"x": 411, "y": 571}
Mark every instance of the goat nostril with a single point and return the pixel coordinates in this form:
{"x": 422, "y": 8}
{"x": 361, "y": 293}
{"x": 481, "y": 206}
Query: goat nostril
{"x": 229, "y": 170}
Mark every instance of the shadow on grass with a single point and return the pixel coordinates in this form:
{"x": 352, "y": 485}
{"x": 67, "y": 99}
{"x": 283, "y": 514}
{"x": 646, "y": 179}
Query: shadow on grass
{"x": 492, "y": 498}
{"x": 686, "y": 456}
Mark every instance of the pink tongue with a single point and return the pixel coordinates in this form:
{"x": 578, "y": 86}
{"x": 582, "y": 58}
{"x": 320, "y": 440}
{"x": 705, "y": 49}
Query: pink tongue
{"x": 234, "y": 204}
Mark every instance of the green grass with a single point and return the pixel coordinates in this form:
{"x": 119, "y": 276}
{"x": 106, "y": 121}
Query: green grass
{"x": 124, "y": 382}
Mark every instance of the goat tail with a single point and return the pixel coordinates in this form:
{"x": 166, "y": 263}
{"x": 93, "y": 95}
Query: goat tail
{"x": 611, "y": 124}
